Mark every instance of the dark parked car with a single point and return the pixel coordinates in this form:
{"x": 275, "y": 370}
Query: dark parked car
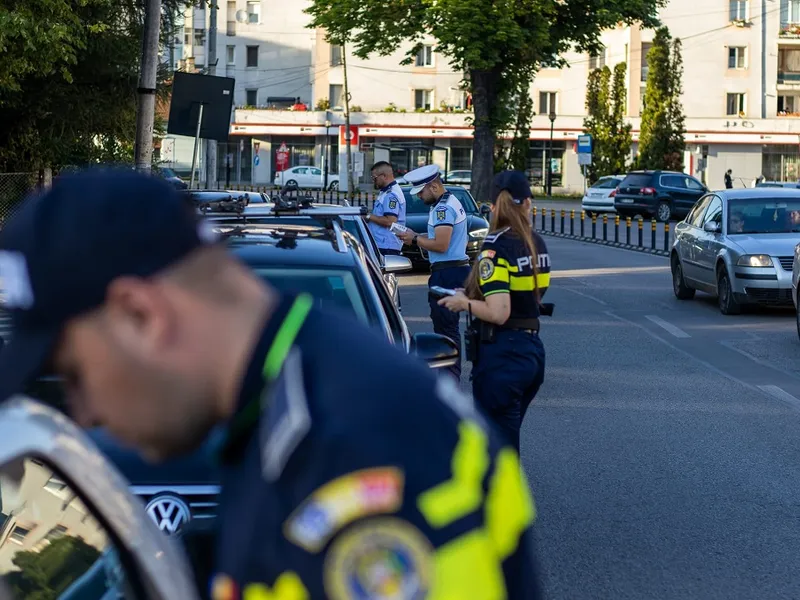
{"x": 417, "y": 213}
{"x": 665, "y": 195}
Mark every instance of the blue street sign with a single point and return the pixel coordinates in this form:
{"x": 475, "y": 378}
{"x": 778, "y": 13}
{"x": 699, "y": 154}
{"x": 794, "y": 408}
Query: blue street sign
{"x": 584, "y": 144}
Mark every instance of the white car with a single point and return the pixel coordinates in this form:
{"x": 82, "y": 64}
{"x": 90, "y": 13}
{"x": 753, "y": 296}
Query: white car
{"x": 305, "y": 178}
{"x": 600, "y": 197}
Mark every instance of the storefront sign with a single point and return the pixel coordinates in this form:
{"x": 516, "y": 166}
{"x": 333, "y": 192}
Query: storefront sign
{"x": 282, "y": 158}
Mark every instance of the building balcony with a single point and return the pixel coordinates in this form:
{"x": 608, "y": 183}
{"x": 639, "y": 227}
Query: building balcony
{"x": 788, "y": 78}
{"x": 789, "y": 31}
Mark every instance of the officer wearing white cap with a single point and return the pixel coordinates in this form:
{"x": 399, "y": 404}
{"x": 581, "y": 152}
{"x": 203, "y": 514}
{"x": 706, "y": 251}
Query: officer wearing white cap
{"x": 446, "y": 244}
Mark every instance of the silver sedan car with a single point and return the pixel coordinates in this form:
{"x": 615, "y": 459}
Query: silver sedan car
{"x": 738, "y": 245}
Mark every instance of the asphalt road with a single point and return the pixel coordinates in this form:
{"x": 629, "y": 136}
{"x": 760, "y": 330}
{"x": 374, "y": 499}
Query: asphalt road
{"x": 663, "y": 447}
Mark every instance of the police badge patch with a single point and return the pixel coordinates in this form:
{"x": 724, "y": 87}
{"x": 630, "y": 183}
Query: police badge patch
{"x": 485, "y": 268}
{"x": 441, "y": 214}
{"x": 392, "y": 203}
{"x": 379, "y": 559}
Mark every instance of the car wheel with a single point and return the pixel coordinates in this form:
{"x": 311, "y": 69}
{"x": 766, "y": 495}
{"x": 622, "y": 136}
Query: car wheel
{"x": 664, "y": 212}
{"x": 682, "y": 291}
{"x": 333, "y": 186}
{"x": 291, "y": 183}
{"x": 727, "y": 303}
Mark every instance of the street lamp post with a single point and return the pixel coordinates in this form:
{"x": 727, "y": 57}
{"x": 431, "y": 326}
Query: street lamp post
{"x": 326, "y": 157}
{"x": 550, "y": 154}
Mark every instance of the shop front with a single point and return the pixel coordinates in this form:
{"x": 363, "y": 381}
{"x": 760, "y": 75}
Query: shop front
{"x": 781, "y": 162}
{"x": 537, "y": 162}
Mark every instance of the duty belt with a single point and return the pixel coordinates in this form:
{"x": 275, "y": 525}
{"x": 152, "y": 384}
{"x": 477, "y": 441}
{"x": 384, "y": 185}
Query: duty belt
{"x": 448, "y": 264}
{"x": 522, "y": 324}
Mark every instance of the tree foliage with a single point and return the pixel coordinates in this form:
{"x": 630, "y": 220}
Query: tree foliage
{"x": 661, "y": 141}
{"x": 606, "y": 101}
{"x": 68, "y": 80}
{"x": 492, "y": 41}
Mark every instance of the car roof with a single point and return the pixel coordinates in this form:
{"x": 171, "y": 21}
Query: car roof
{"x": 756, "y": 193}
{"x": 267, "y": 245}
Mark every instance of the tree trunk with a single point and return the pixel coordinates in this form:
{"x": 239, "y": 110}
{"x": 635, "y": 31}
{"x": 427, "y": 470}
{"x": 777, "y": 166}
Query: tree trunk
{"x": 484, "y": 100}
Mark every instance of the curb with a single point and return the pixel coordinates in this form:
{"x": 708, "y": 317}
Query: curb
{"x": 613, "y": 244}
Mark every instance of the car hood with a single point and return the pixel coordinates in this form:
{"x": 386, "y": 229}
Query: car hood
{"x": 194, "y": 469}
{"x": 419, "y": 222}
{"x": 774, "y": 244}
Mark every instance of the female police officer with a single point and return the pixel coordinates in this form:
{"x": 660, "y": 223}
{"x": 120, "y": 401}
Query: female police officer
{"x": 503, "y": 295}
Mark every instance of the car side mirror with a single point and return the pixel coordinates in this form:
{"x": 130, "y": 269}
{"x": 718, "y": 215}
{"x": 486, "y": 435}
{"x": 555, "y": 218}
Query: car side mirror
{"x": 485, "y": 210}
{"x": 711, "y": 227}
{"x": 439, "y": 351}
{"x": 396, "y": 264}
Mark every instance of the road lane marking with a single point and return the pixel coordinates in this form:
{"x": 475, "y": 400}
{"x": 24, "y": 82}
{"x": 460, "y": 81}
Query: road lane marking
{"x": 669, "y": 327}
{"x": 780, "y": 394}
{"x": 558, "y": 274}
{"x": 566, "y": 289}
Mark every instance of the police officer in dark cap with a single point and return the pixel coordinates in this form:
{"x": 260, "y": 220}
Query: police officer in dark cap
{"x": 504, "y": 293}
{"x": 333, "y": 480}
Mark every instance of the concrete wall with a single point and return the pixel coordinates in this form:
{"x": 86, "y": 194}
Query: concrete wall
{"x": 745, "y": 160}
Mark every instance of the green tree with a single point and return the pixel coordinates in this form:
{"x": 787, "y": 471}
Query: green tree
{"x": 661, "y": 141}
{"x": 493, "y": 42}
{"x": 597, "y": 121}
{"x": 71, "y": 99}
{"x": 619, "y": 135}
{"x": 46, "y": 574}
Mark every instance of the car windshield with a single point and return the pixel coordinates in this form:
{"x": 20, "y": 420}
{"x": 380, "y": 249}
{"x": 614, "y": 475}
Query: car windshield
{"x": 167, "y": 172}
{"x": 331, "y": 288}
{"x": 764, "y": 215}
{"x": 415, "y": 205}
{"x": 606, "y": 183}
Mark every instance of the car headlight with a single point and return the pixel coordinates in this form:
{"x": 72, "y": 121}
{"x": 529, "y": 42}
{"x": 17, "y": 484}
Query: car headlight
{"x": 479, "y": 234}
{"x": 755, "y": 260}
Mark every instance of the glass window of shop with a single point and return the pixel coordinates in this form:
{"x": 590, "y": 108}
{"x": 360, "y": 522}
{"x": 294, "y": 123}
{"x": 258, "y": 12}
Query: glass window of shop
{"x": 461, "y": 154}
{"x": 408, "y": 157}
{"x": 301, "y": 149}
{"x": 235, "y": 161}
{"x": 537, "y": 162}
{"x": 780, "y": 162}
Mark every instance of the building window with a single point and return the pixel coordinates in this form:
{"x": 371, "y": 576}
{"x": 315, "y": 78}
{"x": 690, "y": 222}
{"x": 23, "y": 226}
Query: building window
{"x": 336, "y": 96}
{"x": 230, "y": 55}
{"x": 645, "y": 66}
{"x": 423, "y": 99}
{"x": 251, "y": 97}
{"x": 736, "y": 57}
{"x": 790, "y": 12}
{"x": 598, "y": 61}
{"x": 461, "y": 154}
{"x": 187, "y": 36}
{"x": 425, "y": 57}
{"x": 56, "y": 532}
{"x": 736, "y": 105}
{"x": 18, "y": 534}
{"x": 738, "y": 10}
{"x": 57, "y": 486}
{"x": 199, "y": 37}
{"x": 788, "y": 106}
{"x": 254, "y": 12}
{"x": 547, "y": 103}
{"x": 231, "y": 31}
{"x": 336, "y": 55}
{"x": 252, "y": 56}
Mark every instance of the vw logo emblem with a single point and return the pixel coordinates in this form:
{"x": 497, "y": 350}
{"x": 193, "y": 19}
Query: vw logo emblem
{"x": 169, "y": 513}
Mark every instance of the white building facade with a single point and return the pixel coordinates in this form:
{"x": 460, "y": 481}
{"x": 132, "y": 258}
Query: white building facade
{"x": 741, "y": 94}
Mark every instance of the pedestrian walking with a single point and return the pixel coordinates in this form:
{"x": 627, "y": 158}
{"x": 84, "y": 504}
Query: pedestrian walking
{"x": 503, "y": 294}
{"x": 390, "y": 207}
{"x": 446, "y": 244}
{"x": 161, "y": 336}
{"x": 729, "y": 179}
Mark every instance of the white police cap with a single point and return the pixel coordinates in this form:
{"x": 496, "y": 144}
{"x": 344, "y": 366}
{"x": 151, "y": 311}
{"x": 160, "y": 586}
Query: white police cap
{"x": 419, "y": 178}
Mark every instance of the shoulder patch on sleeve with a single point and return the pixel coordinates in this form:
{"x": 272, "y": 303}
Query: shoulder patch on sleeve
{"x": 393, "y": 201}
{"x": 486, "y": 268}
{"x": 380, "y": 558}
{"x": 287, "y": 419}
{"x": 487, "y": 254}
{"x": 441, "y": 214}
{"x": 340, "y": 502}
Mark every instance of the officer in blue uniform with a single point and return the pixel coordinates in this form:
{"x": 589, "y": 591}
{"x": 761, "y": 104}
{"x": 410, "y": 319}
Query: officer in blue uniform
{"x": 504, "y": 294}
{"x": 390, "y": 207}
{"x": 446, "y": 244}
{"x": 326, "y": 493}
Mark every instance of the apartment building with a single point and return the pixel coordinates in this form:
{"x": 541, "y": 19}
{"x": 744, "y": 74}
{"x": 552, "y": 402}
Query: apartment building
{"x": 741, "y": 94}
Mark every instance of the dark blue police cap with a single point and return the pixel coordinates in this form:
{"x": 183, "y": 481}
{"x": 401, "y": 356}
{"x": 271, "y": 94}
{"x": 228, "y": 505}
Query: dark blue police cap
{"x": 515, "y": 183}
{"x": 61, "y": 250}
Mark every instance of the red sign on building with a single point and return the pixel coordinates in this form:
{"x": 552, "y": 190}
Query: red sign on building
{"x": 353, "y": 136}
{"x": 282, "y": 158}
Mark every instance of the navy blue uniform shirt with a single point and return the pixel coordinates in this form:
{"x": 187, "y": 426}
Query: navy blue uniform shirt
{"x": 338, "y": 484}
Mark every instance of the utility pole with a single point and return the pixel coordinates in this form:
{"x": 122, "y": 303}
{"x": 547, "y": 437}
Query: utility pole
{"x": 145, "y": 117}
{"x": 350, "y": 184}
{"x": 211, "y": 63}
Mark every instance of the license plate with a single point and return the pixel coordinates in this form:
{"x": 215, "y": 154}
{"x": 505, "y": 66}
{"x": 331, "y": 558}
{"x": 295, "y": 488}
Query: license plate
{"x": 596, "y": 194}
{"x": 626, "y": 200}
